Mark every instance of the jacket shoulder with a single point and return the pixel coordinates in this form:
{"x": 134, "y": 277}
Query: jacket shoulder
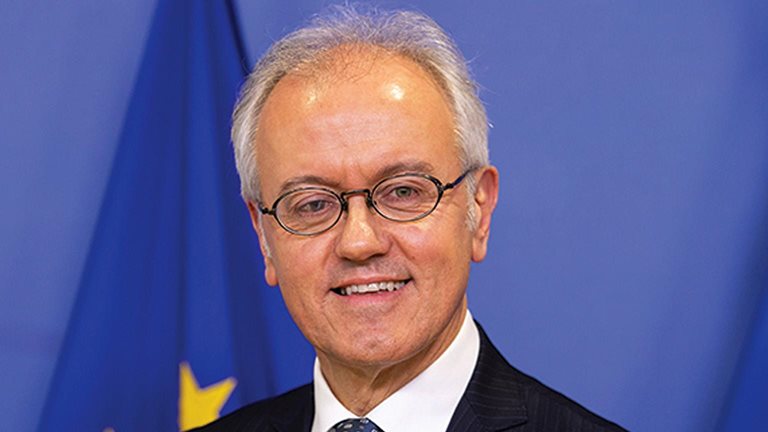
{"x": 267, "y": 414}
{"x": 549, "y": 409}
{"x": 500, "y": 391}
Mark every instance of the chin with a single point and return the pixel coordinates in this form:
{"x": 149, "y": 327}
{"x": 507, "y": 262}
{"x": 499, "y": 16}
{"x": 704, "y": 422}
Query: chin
{"x": 387, "y": 352}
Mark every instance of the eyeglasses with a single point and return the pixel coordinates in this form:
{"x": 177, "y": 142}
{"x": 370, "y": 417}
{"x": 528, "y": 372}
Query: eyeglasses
{"x": 405, "y": 197}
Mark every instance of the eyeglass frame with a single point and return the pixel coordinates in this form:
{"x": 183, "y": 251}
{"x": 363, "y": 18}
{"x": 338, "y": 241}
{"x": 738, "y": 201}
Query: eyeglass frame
{"x": 368, "y": 192}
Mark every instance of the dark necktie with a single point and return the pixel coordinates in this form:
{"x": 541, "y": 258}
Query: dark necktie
{"x": 355, "y": 425}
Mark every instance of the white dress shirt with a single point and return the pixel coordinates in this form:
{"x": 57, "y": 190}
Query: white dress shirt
{"x": 426, "y": 404}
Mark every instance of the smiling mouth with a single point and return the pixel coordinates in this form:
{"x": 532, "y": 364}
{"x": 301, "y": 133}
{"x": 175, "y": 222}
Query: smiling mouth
{"x": 370, "y": 288}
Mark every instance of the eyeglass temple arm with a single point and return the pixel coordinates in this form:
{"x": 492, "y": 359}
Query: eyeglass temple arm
{"x": 265, "y": 210}
{"x": 455, "y": 183}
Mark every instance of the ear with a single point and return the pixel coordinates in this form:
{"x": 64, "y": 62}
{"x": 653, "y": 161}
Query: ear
{"x": 270, "y": 273}
{"x": 486, "y": 195}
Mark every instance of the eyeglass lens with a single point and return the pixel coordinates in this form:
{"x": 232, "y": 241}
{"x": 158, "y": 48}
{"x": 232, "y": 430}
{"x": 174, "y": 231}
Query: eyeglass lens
{"x": 400, "y": 198}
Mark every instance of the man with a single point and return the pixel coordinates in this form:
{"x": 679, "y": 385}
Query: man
{"x": 362, "y": 149}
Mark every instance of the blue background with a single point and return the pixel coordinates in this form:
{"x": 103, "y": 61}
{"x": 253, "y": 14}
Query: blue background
{"x": 629, "y": 250}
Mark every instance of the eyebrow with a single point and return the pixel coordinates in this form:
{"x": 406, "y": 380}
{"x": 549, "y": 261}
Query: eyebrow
{"x": 298, "y": 181}
{"x": 415, "y": 166}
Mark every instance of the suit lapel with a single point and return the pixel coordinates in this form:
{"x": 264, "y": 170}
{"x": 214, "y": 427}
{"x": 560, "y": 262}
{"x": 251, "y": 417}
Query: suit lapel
{"x": 494, "y": 400}
{"x": 296, "y": 414}
{"x": 299, "y": 421}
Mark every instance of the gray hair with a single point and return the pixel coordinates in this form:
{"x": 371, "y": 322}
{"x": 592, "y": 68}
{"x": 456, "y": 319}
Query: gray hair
{"x": 409, "y": 34}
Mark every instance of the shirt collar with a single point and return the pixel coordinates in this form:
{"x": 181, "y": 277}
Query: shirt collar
{"x": 442, "y": 384}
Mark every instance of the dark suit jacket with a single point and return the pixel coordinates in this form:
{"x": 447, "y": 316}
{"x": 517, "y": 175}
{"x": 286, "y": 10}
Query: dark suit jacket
{"x": 498, "y": 398}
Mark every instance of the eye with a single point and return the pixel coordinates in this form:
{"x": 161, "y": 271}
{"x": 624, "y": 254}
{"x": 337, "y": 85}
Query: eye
{"x": 399, "y": 193}
{"x": 309, "y": 204}
{"x": 404, "y": 192}
{"x": 313, "y": 206}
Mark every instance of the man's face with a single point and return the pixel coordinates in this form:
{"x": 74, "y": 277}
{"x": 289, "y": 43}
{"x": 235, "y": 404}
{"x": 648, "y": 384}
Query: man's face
{"x": 380, "y": 117}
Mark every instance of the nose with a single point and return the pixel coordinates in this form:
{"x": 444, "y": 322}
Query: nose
{"x": 361, "y": 238}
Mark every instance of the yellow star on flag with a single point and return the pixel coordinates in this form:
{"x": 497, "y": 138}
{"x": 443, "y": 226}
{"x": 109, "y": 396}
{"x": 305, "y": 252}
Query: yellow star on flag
{"x": 200, "y": 406}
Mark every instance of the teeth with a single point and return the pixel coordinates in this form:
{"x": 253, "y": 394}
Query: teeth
{"x": 371, "y": 287}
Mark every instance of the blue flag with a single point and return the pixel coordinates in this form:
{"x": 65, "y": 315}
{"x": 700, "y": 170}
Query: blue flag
{"x": 747, "y": 408}
{"x": 168, "y": 329}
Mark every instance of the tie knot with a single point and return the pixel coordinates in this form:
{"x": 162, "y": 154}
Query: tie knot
{"x": 355, "y": 425}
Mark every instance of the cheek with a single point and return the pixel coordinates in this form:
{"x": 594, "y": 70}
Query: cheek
{"x": 297, "y": 305}
{"x": 300, "y": 265}
{"x": 300, "y": 283}
{"x": 439, "y": 251}
{"x": 295, "y": 256}
{"x": 447, "y": 232}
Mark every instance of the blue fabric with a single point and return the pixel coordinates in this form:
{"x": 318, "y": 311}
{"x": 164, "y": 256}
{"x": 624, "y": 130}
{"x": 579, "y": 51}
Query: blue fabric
{"x": 748, "y": 405}
{"x": 173, "y": 273}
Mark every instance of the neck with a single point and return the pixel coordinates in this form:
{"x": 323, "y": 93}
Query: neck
{"x": 360, "y": 388}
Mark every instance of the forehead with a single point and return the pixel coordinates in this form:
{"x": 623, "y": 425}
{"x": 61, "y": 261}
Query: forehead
{"x": 351, "y": 116}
